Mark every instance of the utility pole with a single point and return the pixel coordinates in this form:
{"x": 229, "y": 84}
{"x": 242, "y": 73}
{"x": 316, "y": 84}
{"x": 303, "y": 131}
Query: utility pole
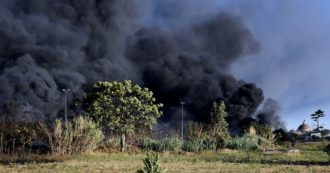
{"x": 182, "y": 103}
{"x": 66, "y": 92}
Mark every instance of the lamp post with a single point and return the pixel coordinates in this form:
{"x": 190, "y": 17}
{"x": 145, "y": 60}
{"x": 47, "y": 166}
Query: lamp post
{"x": 182, "y": 103}
{"x": 66, "y": 92}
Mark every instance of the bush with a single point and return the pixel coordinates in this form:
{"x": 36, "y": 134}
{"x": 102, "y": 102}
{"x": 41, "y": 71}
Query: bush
{"x": 176, "y": 144}
{"x": 113, "y": 143}
{"x": 264, "y": 131}
{"x": 164, "y": 144}
{"x": 280, "y": 136}
{"x": 192, "y": 145}
{"x": 19, "y": 133}
{"x": 18, "y": 136}
{"x": 247, "y": 142}
{"x": 151, "y": 164}
{"x": 198, "y": 138}
{"x": 198, "y": 145}
{"x": 81, "y": 135}
{"x": 327, "y": 149}
{"x": 194, "y": 130}
{"x": 25, "y": 135}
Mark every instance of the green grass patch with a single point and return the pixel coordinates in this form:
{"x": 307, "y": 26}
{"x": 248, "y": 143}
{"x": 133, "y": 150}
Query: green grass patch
{"x": 207, "y": 161}
{"x": 310, "y": 159}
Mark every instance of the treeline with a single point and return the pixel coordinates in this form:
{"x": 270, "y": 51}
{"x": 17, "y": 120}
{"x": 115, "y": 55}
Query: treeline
{"x": 117, "y": 113}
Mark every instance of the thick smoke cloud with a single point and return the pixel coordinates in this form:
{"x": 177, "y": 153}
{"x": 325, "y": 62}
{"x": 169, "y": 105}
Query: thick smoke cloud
{"x": 266, "y": 116}
{"x": 49, "y": 45}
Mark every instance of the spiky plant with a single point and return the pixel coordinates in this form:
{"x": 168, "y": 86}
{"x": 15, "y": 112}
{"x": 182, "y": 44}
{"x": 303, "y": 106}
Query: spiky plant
{"x": 151, "y": 164}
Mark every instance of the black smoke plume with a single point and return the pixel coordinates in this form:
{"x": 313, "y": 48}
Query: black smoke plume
{"x": 268, "y": 114}
{"x": 49, "y": 45}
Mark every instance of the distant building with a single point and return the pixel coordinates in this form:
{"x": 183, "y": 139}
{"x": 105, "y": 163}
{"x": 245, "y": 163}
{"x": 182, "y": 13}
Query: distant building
{"x": 306, "y": 133}
{"x": 303, "y": 128}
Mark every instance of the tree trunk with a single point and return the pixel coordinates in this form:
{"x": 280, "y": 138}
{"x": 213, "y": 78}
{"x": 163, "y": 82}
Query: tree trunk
{"x": 122, "y": 142}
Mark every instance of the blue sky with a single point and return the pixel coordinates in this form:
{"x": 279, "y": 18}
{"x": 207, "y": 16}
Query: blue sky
{"x": 293, "y": 63}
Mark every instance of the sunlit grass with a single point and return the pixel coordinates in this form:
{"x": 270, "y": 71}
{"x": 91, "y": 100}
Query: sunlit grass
{"x": 24, "y": 158}
{"x": 208, "y": 161}
{"x": 123, "y": 162}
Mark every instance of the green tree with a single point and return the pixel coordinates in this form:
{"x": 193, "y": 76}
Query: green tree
{"x": 219, "y": 124}
{"x": 316, "y": 116}
{"x": 325, "y": 132}
{"x": 122, "y": 107}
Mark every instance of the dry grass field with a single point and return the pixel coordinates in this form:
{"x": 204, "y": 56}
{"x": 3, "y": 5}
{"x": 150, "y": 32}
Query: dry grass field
{"x": 176, "y": 163}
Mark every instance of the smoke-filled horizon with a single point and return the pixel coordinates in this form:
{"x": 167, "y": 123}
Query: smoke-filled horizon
{"x": 50, "y": 45}
{"x": 292, "y": 64}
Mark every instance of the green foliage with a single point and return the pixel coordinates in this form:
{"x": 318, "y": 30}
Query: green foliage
{"x": 312, "y": 146}
{"x": 219, "y": 124}
{"x": 195, "y": 130}
{"x": 327, "y": 149}
{"x": 122, "y": 107}
{"x": 197, "y": 138}
{"x": 316, "y": 116}
{"x": 199, "y": 144}
{"x": 247, "y": 142}
{"x": 325, "y": 132}
{"x": 151, "y": 164}
{"x": 163, "y": 144}
{"x": 17, "y": 136}
{"x": 81, "y": 135}
{"x": 280, "y": 135}
{"x": 113, "y": 143}
{"x": 176, "y": 144}
{"x": 264, "y": 130}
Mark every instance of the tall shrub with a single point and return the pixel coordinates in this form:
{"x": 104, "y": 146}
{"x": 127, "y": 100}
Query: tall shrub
{"x": 81, "y": 135}
{"x": 219, "y": 124}
{"x": 162, "y": 144}
{"x": 199, "y": 144}
{"x": 18, "y": 136}
{"x": 264, "y": 130}
{"x": 248, "y": 142}
{"x": 151, "y": 164}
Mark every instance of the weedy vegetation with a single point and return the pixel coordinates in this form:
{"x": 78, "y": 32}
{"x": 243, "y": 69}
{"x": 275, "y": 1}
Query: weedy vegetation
{"x": 151, "y": 164}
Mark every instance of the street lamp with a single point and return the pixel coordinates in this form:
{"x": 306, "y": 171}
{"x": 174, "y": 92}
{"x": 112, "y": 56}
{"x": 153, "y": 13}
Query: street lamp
{"x": 182, "y": 103}
{"x": 66, "y": 92}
